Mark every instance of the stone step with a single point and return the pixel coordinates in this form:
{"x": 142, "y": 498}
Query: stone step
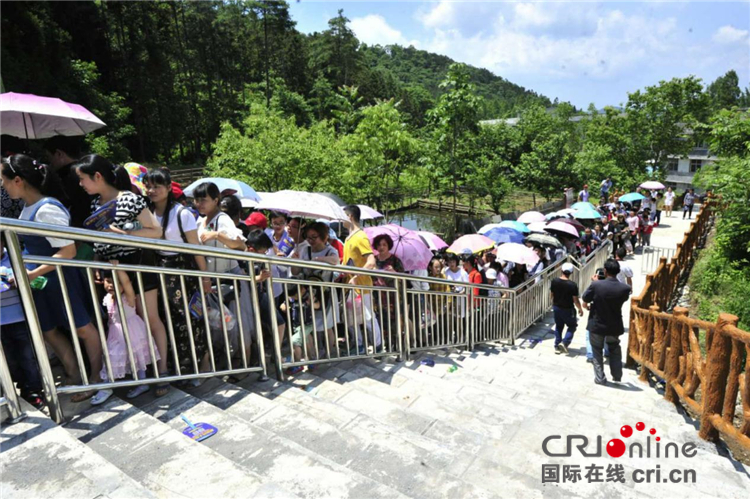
{"x": 408, "y": 462}
{"x": 162, "y": 459}
{"x": 274, "y": 458}
{"x": 41, "y": 459}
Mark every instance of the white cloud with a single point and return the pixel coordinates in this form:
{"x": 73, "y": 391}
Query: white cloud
{"x": 729, "y": 34}
{"x": 373, "y": 29}
{"x": 442, "y": 14}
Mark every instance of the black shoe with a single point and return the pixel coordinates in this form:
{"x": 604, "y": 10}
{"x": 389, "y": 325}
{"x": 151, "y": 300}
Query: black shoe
{"x": 590, "y": 361}
{"x": 564, "y": 347}
{"x": 558, "y": 349}
{"x": 617, "y": 380}
{"x": 603, "y": 383}
{"x": 35, "y": 400}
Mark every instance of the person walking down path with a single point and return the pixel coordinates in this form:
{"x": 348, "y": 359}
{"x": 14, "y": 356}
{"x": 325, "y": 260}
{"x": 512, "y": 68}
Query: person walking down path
{"x": 583, "y": 196}
{"x": 564, "y": 296}
{"x": 688, "y": 203}
{"x": 605, "y": 298}
{"x": 604, "y": 188}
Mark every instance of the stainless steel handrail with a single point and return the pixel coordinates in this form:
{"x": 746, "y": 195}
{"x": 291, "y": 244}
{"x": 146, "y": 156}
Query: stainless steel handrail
{"x": 9, "y": 397}
{"x": 407, "y": 319}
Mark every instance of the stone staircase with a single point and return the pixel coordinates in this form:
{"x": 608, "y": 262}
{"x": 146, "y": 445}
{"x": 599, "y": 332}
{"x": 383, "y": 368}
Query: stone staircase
{"x": 371, "y": 429}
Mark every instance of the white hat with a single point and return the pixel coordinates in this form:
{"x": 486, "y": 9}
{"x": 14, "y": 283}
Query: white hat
{"x": 490, "y": 274}
{"x": 568, "y": 268}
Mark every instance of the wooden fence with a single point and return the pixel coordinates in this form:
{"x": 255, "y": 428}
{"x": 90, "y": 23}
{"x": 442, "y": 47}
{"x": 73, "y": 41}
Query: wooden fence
{"x": 705, "y": 366}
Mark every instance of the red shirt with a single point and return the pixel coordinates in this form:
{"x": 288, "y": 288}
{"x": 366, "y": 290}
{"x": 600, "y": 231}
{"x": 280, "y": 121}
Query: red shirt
{"x": 475, "y": 278}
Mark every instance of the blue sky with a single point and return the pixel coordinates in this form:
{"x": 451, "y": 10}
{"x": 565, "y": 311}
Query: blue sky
{"x": 580, "y": 52}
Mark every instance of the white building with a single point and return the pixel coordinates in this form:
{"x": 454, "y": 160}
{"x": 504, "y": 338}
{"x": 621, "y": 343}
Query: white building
{"x": 681, "y": 170}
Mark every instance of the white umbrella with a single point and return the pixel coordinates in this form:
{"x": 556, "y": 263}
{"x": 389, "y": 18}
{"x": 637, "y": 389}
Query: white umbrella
{"x": 302, "y": 204}
{"x": 241, "y": 189}
{"x": 367, "y": 213}
{"x": 538, "y": 227}
{"x": 30, "y": 116}
{"x": 531, "y": 217}
{"x": 486, "y": 228}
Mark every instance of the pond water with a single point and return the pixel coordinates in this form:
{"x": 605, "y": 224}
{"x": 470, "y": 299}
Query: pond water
{"x": 438, "y": 222}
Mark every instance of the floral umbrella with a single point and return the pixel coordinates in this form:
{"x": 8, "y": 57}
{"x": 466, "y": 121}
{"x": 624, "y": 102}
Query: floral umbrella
{"x": 408, "y": 246}
{"x": 471, "y": 243}
{"x": 137, "y": 174}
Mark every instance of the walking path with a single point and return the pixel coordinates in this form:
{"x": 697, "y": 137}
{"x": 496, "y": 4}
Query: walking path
{"x": 471, "y": 426}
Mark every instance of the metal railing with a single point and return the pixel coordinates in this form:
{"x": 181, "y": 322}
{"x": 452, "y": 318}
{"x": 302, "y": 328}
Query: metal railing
{"x": 226, "y": 330}
{"x": 8, "y": 395}
{"x": 652, "y": 256}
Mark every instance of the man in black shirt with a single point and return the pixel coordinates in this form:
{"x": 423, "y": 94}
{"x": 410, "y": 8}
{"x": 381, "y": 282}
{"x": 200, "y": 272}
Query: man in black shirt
{"x": 63, "y": 152}
{"x": 564, "y": 295}
{"x": 606, "y": 297}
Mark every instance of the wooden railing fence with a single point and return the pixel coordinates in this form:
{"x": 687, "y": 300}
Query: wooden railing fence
{"x": 705, "y": 365}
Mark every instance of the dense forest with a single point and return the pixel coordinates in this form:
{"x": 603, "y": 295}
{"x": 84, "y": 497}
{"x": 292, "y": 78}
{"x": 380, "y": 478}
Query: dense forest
{"x": 165, "y": 75}
{"x": 234, "y": 87}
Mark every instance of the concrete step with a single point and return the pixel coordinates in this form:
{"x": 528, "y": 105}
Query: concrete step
{"x": 163, "y": 459}
{"x": 41, "y": 459}
{"x": 274, "y": 458}
{"x": 410, "y": 463}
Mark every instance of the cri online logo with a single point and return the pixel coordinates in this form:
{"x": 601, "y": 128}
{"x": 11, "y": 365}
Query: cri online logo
{"x": 617, "y": 448}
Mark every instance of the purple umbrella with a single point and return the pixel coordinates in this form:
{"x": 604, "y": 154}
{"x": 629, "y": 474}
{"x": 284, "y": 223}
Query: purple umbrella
{"x": 408, "y": 246}
{"x": 434, "y": 242}
{"x": 33, "y": 117}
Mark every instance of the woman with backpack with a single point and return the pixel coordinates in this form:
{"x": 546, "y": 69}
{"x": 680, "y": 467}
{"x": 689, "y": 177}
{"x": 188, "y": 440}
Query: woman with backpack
{"x": 179, "y": 225}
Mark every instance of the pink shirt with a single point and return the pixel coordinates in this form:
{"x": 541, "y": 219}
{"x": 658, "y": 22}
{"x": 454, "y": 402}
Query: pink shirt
{"x": 632, "y": 223}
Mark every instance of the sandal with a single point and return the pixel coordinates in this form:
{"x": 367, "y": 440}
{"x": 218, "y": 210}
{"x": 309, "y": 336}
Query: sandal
{"x": 162, "y": 389}
{"x": 80, "y": 397}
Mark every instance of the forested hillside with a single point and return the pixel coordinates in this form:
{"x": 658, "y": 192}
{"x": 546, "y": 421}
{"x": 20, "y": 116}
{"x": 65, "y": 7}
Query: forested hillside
{"x": 165, "y": 75}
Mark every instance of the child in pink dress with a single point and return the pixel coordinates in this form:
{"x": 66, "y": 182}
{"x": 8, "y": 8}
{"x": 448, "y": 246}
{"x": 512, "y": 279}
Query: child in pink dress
{"x": 116, "y": 345}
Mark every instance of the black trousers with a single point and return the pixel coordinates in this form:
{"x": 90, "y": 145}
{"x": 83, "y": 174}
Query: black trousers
{"x": 615, "y": 356}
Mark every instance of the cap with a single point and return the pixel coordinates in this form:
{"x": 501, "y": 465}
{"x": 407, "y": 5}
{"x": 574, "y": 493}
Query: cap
{"x": 177, "y": 191}
{"x": 567, "y": 268}
{"x": 257, "y": 219}
{"x": 490, "y": 274}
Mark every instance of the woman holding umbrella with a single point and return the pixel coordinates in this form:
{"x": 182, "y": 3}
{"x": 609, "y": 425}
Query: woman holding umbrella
{"x": 388, "y": 262}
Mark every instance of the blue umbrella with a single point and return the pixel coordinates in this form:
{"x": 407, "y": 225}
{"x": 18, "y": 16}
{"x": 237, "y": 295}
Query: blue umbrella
{"x": 587, "y": 214}
{"x": 505, "y": 235}
{"x": 630, "y": 197}
{"x": 583, "y": 205}
{"x": 514, "y": 224}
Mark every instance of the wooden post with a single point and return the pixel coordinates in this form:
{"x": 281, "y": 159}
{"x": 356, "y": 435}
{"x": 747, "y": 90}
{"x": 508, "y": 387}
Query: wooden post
{"x": 672, "y": 367}
{"x": 647, "y": 352}
{"x": 633, "y": 343}
{"x": 717, "y": 370}
{"x": 733, "y": 381}
{"x": 745, "y": 430}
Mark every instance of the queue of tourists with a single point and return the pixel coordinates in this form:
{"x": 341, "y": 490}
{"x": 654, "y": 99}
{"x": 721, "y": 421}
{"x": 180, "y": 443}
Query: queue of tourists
{"x": 88, "y": 191}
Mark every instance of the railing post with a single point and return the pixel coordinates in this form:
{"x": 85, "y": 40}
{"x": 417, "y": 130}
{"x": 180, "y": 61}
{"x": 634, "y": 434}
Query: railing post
{"x": 717, "y": 371}
{"x": 35, "y": 330}
{"x": 404, "y": 342}
{"x": 633, "y": 343}
{"x": 672, "y": 366}
{"x": 9, "y": 391}
{"x": 647, "y": 352}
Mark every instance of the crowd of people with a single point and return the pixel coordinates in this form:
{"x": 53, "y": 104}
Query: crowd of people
{"x": 67, "y": 188}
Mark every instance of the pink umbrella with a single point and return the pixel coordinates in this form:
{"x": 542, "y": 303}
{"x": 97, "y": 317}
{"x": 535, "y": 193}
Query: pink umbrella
{"x": 652, "y": 185}
{"x": 516, "y": 253}
{"x": 471, "y": 243}
{"x": 433, "y": 242}
{"x": 33, "y": 117}
{"x": 407, "y": 245}
{"x": 562, "y": 228}
{"x": 531, "y": 216}
{"x": 367, "y": 213}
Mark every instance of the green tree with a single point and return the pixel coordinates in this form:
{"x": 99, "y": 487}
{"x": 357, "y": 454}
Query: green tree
{"x": 455, "y": 120}
{"x": 335, "y": 52}
{"x": 725, "y": 91}
{"x": 381, "y": 149}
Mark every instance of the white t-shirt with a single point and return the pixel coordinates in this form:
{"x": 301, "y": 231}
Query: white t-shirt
{"x": 48, "y": 214}
{"x": 459, "y": 275}
{"x": 173, "y": 229}
{"x": 625, "y": 272}
{"x": 668, "y": 198}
